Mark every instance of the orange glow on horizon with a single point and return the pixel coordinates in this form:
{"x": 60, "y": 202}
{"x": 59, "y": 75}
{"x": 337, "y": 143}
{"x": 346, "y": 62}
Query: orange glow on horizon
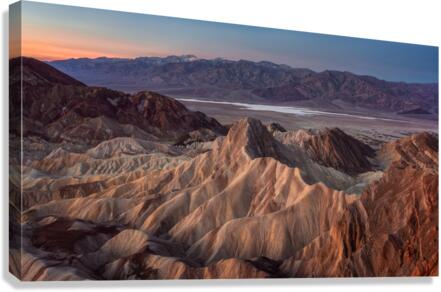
{"x": 48, "y": 44}
{"x": 49, "y": 52}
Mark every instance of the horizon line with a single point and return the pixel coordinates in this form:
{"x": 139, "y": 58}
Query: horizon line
{"x": 221, "y": 58}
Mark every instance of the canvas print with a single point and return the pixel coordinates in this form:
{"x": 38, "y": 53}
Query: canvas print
{"x": 150, "y": 147}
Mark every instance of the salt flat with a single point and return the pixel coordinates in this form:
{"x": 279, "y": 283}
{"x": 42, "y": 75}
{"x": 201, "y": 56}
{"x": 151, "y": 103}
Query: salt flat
{"x": 300, "y": 111}
{"x": 373, "y": 128}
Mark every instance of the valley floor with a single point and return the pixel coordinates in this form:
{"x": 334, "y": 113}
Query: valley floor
{"x": 375, "y": 130}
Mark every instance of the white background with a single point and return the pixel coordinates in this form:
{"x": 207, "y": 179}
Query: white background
{"x": 404, "y": 21}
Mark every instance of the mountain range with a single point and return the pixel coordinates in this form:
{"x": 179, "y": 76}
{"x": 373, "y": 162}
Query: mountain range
{"x": 60, "y": 107}
{"x": 263, "y": 82}
{"x": 106, "y": 185}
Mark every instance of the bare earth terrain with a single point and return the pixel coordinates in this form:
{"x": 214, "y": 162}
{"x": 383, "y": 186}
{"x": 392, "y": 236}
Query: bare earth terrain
{"x": 112, "y": 185}
{"x": 380, "y": 128}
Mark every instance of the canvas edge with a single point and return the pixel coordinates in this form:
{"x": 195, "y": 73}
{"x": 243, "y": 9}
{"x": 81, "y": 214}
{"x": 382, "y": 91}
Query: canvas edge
{"x": 15, "y": 129}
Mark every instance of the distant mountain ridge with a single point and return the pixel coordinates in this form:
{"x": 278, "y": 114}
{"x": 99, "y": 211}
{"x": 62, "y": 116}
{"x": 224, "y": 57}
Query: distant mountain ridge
{"x": 262, "y": 81}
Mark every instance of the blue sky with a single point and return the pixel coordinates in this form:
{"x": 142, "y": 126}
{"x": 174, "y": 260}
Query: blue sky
{"x": 57, "y": 32}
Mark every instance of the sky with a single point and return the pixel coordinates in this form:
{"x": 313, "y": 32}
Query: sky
{"x": 53, "y": 32}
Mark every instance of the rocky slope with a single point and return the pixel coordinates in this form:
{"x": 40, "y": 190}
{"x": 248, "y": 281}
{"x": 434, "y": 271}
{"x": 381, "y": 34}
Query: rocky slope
{"x": 246, "y": 80}
{"x": 170, "y": 197}
{"x": 332, "y": 148}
